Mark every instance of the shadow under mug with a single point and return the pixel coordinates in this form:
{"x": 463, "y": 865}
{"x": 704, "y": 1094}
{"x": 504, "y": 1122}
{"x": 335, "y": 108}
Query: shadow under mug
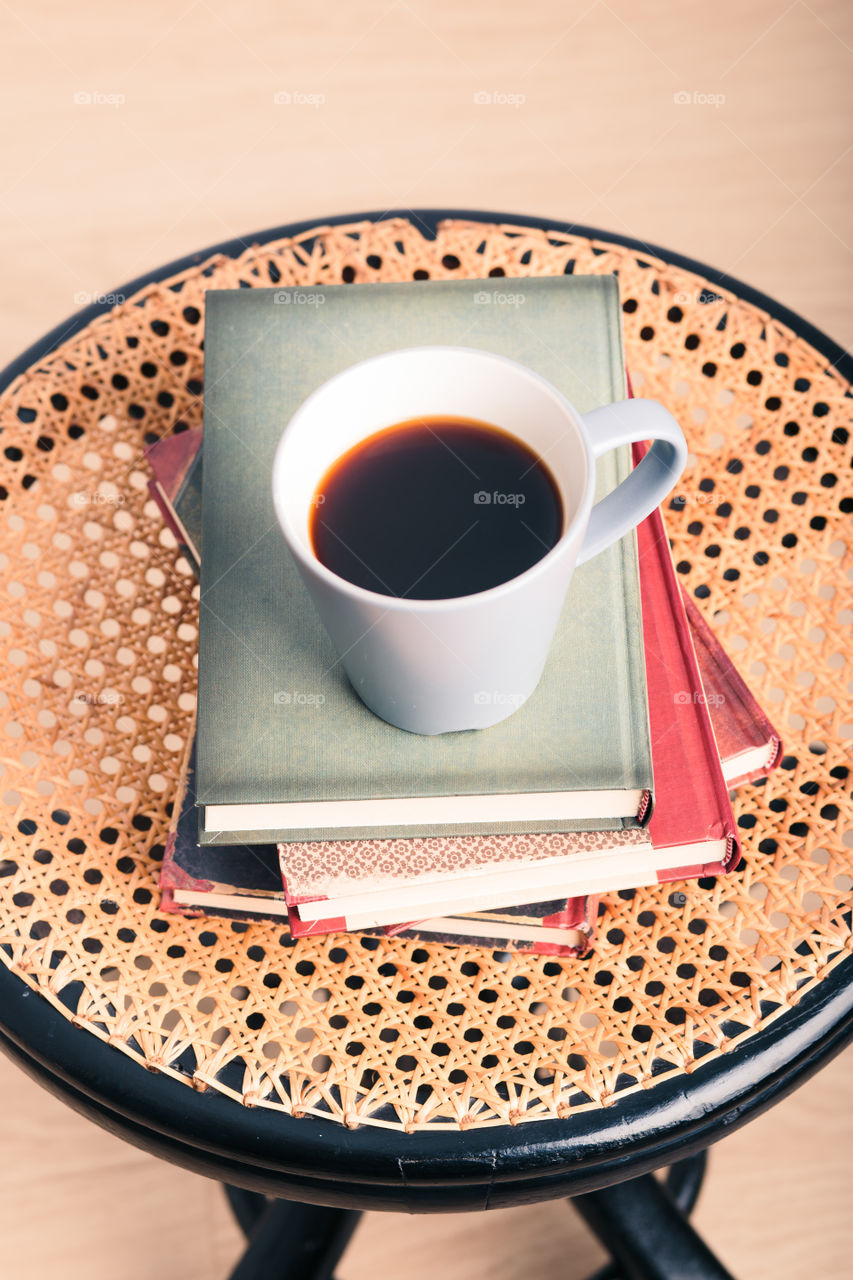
{"x": 421, "y": 664}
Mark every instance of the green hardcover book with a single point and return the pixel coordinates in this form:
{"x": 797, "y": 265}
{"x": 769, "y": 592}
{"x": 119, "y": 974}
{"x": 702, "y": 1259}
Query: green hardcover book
{"x": 286, "y": 750}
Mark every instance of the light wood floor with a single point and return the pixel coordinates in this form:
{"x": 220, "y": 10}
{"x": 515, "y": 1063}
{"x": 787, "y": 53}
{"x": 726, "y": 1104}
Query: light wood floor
{"x": 752, "y": 173}
{"x": 587, "y": 121}
{"x": 79, "y": 1204}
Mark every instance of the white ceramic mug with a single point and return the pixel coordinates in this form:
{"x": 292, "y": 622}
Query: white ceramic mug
{"x": 420, "y": 664}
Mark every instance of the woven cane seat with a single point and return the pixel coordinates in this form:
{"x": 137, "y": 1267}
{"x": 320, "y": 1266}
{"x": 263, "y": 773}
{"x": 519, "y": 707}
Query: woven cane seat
{"x": 98, "y": 632}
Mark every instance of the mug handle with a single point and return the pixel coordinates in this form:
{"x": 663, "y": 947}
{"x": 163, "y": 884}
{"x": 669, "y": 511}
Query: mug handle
{"x": 627, "y": 422}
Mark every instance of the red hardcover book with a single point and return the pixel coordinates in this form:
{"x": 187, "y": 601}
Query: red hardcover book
{"x": 749, "y": 746}
{"x": 171, "y": 461}
{"x": 692, "y": 807}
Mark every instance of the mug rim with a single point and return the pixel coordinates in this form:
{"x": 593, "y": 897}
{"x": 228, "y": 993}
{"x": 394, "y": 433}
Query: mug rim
{"x": 408, "y": 603}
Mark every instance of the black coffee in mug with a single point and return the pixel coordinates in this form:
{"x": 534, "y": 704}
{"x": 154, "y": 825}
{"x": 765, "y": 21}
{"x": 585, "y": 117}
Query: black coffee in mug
{"x": 435, "y": 508}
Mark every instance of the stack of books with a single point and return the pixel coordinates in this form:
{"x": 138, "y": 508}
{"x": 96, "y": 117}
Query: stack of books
{"x": 298, "y": 803}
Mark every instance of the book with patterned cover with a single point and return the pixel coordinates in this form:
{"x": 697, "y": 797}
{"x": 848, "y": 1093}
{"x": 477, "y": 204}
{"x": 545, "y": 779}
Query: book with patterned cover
{"x": 389, "y": 881}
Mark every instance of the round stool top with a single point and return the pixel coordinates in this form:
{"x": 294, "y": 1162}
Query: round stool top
{"x": 98, "y": 636}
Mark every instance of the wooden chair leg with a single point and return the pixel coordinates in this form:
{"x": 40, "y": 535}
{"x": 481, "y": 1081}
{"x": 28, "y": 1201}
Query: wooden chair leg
{"x": 291, "y": 1241}
{"x": 642, "y": 1226}
{"x": 684, "y": 1182}
{"x": 305, "y": 1242}
{"x": 247, "y": 1207}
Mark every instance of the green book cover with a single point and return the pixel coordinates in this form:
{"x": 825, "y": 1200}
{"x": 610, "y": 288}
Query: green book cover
{"x": 278, "y": 722}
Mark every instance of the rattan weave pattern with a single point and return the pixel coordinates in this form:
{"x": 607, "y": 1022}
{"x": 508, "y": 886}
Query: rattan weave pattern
{"x": 98, "y": 642}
